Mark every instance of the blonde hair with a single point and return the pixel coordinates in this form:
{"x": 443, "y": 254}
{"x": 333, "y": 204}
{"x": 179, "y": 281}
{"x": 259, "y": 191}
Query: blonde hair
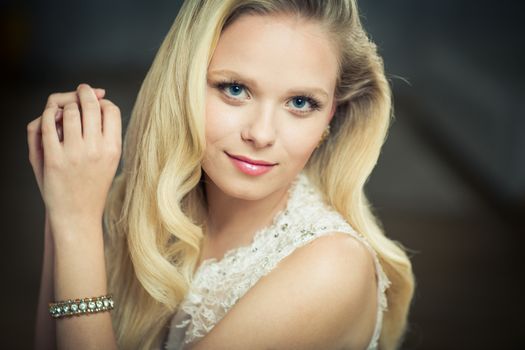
{"x": 155, "y": 209}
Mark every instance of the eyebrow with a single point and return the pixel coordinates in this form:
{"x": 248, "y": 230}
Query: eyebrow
{"x": 298, "y": 91}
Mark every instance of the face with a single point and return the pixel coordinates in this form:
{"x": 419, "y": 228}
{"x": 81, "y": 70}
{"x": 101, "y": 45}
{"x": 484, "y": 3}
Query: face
{"x": 270, "y": 96}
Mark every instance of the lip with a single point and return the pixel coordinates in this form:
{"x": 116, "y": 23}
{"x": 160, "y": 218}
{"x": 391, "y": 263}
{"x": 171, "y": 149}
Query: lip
{"x": 250, "y": 168}
{"x": 251, "y": 161}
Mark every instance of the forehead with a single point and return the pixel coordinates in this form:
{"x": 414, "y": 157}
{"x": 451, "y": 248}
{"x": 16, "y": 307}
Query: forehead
{"x": 277, "y": 48}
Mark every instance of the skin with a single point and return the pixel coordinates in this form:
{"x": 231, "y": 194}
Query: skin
{"x": 74, "y": 164}
{"x": 322, "y": 296}
{"x": 329, "y": 280}
{"x": 262, "y": 120}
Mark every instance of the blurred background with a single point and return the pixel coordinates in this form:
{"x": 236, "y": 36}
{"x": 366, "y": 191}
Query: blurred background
{"x": 449, "y": 185}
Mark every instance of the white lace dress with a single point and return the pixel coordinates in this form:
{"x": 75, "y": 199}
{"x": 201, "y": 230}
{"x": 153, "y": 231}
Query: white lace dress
{"x": 218, "y": 285}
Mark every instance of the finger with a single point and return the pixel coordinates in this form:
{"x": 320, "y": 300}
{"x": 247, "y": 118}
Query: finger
{"x": 91, "y": 116}
{"x": 112, "y": 121}
{"x": 63, "y": 98}
{"x": 58, "y": 123}
{"x": 34, "y": 142}
{"x": 72, "y": 125}
{"x": 58, "y": 116}
{"x": 33, "y": 130}
{"x": 50, "y": 141}
{"x": 99, "y": 92}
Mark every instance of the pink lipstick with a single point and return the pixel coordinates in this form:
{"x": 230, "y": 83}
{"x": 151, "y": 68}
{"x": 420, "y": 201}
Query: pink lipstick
{"x": 251, "y": 166}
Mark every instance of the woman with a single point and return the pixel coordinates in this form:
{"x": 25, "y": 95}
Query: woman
{"x": 239, "y": 220}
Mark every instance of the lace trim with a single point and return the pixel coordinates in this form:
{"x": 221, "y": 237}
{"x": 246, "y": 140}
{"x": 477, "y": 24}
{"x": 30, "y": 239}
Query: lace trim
{"x": 232, "y": 253}
{"x": 218, "y": 284}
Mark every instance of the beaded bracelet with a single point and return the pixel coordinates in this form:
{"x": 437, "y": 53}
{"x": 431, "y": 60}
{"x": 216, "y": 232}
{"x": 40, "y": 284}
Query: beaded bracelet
{"x": 79, "y": 307}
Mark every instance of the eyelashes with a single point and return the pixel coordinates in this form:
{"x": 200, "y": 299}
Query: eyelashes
{"x": 224, "y": 84}
{"x": 315, "y": 105}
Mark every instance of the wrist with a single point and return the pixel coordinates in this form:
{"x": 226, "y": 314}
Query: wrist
{"x": 48, "y": 232}
{"x": 79, "y": 267}
{"x": 78, "y": 232}
{"x": 71, "y": 216}
{"x": 72, "y": 222}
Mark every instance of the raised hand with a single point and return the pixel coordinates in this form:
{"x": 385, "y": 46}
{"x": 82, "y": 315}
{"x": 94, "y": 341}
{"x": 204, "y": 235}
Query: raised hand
{"x": 34, "y": 129}
{"x": 74, "y": 170}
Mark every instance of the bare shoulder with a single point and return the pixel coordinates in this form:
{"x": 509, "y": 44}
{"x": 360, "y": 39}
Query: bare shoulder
{"x": 323, "y": 295}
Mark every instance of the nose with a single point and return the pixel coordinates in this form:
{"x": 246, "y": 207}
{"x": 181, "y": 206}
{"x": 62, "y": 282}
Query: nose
{"x": 261, "y": 128}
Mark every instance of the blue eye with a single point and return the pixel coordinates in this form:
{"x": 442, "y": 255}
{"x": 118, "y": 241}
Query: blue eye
{"x": 235, "y": 89}
{"x": 300, "y": 102}
{"x": 231, "y": 88}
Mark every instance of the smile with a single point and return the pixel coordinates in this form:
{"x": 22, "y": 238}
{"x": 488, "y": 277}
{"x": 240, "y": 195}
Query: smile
{"x": 246, "y": 166}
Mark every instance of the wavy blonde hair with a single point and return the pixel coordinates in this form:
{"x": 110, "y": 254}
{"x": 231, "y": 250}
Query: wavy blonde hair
{"x": 155, "y": 210}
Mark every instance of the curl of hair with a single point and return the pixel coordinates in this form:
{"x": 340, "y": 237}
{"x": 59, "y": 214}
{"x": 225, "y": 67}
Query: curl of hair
{"x": 155, "y": 209}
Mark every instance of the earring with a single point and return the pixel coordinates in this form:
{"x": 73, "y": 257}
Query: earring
{"x": 326, "y": 132}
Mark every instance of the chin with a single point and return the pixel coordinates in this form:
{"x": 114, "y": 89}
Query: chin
{"x": 241, "y": 186}
{"x": 241, "y": 190}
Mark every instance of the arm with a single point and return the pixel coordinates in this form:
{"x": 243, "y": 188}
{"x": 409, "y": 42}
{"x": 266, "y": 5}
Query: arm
{"x": 322, "y": 296}
{"x": 70, "y": 282}
{"x": 74, "y": 166}
{"x": 80, "y": 271}
{"x": 45, "y": 326}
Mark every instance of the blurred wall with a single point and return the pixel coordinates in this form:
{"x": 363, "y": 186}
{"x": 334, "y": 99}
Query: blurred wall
{"x": 69, "y": 36}
{"x": 449, "y": 178}
{"x": 464, "y": 58}
{"x": 463, "y": 61}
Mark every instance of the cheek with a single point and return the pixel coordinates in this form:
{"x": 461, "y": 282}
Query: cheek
{"x": 220, "y": 121}
{"x": 299, "y": 142}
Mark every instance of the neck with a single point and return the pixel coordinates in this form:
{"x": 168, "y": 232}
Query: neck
{"x": 235, "y": 219}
